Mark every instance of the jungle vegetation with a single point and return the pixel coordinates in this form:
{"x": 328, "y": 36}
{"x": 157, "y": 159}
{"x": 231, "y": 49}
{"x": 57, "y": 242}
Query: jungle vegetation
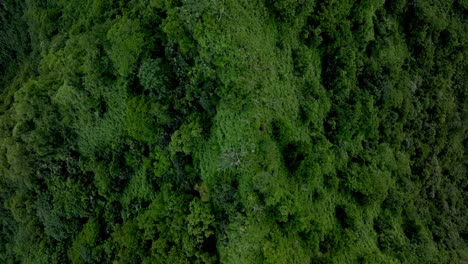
{"x": 233, "y": 131}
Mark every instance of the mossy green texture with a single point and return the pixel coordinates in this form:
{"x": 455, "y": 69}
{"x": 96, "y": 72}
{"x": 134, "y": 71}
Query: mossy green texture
{"x": 221, "y": 131}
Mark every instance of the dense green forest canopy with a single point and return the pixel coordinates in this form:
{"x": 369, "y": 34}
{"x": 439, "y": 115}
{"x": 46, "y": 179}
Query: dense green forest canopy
{"x": 233, "y": 131}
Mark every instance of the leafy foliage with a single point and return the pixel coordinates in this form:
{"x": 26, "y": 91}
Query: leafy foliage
{"x": 277, "y": 131}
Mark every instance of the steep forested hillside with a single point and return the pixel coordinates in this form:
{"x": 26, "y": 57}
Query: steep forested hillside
{"x": 233, "y": 131}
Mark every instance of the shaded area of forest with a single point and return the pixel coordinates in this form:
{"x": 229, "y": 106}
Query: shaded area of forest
{"x": 221, "y": 131}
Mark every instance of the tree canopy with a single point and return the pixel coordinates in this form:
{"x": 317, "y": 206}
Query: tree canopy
{"x": 221, "y": 131}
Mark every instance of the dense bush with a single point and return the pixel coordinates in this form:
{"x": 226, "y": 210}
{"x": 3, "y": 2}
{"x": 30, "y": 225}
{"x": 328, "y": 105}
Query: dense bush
{"x": 278, "y": 131}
